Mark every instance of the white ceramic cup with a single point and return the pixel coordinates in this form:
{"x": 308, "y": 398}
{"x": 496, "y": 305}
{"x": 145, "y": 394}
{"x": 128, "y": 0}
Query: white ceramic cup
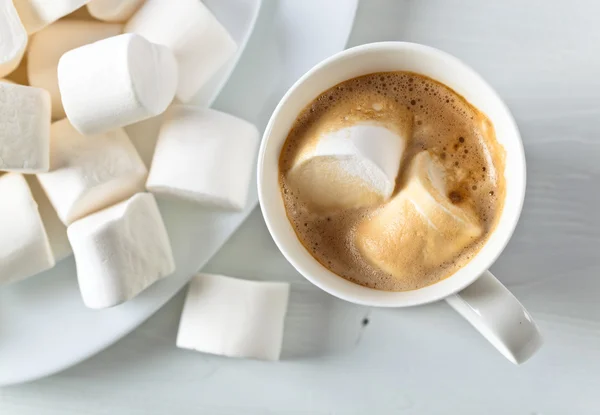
{"x": 472, "y": 290}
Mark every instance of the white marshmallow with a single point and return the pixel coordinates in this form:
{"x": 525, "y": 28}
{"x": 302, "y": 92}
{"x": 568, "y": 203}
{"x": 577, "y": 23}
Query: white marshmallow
{"x": 24, "y": 128}
{"x": 353, "y": 166}
{"x": 47, "y": 46}
{"x": 8, "y": 81}
{"x": 56, "y": 230}
{"x": 90, "y": 173}
{"x": 420, "y": 228}
{"x": 120, "y": 251}
{"x": 24, "y": 246}
{"x": 113, "y": 10}
{"x": 200, "y": 43}
{"x": 37, "y": 14}
{"x": 233, "y": 317}
{"x": 13, "y": 38}
{"x": 115, "y": 82}
{"x": 204, "y": 156}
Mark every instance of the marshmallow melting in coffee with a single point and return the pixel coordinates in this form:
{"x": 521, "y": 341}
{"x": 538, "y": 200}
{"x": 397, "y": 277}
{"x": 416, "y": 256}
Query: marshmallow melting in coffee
{"x": 353, "y": 158}
{"x": 448, "y": 193}
{"x": 420, "y": 228}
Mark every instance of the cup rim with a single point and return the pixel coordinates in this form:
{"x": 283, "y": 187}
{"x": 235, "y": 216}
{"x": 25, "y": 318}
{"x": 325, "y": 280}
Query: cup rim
{"x": 282, "y": 244}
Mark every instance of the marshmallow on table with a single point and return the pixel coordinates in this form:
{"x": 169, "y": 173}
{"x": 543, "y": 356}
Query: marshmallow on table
{"x": 37, "y": 14}
{"x": 200, "y": 43}
{"x": 24, "y": 246}
{"x": 47, "y": 46}
{"x": 204, "y": 156}
{"x": 13, "y": 38}
{"x": 233, "y": 317}
{"x": 88, "y": 173}
{"x": 120, "y": 251}
{"x": 352, "y": 165}
{"x": 113, "y": 10}
{"x": 24, "y": 128}
{"x": 420, "y": 228}
{"x": 115, "y": 82}
{"x": 55, "y": 229}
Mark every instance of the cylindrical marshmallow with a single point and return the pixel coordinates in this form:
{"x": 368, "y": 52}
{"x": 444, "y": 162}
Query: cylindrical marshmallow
{"x": 234, "y": 317}
{"x": 47, "y": 46}
{"x": 56, "y": 230}
{"x": 353, "y": 166}
{"x": 200, "y": 43}
{"x": 24, "y": 246}
{"x": 113, "y": 10}
{"x": 13, "y": 38}
{"x": 115, "y": 82}
{"x": 37, "y": 14}
{"x": 204, "y": 156}
{"x": 120, "y": 251}
{"x": 89, "y": 173}
{"x": 24, "y": 128}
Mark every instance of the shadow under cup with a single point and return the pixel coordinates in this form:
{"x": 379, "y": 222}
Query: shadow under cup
{"x": 382, "y": 57}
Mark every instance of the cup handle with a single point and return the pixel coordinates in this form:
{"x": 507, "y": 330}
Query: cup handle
{"x": 499, "y": 317}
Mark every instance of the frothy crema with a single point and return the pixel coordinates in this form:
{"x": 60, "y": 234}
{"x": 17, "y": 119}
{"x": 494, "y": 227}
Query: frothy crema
{"x": 383, "y": 228}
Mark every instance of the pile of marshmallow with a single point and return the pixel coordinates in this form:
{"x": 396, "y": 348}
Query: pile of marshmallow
{"x": 70, "y": 178}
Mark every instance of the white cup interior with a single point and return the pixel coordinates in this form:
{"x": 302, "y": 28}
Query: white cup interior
{"x": 378, "y": 57}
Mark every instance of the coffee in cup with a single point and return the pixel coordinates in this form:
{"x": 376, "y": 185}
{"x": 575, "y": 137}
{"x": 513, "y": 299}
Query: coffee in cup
{"x": 392, "y": 180}
{"x": 452, "y": 228}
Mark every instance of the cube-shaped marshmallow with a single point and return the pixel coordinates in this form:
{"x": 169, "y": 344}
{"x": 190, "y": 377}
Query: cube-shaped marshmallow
{"x": 200, "y": 43}
{"x": 24, "y": 128}
{"x": 113, "y": 10}
{"x": 115, "y": 82}
{"x": 56, "y": 230}
{"x": 24, "y": 246}
{"x": 89, "y": 173}
{"x": 13, "y": 38}
{"x": 205, "y": 156}
{"x": 120, "y": 251}
{"x": 234, "y": 317}
{"x": 37, "y": 14}
{"x": 48, "y": 45}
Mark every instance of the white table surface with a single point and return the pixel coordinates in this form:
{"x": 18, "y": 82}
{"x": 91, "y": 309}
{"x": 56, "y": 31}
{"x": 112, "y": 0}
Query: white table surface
{"x": 543, "y": 58}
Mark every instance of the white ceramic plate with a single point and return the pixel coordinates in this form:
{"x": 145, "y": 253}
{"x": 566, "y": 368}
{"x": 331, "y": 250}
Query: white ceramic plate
{"x": 44, "y": 327}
